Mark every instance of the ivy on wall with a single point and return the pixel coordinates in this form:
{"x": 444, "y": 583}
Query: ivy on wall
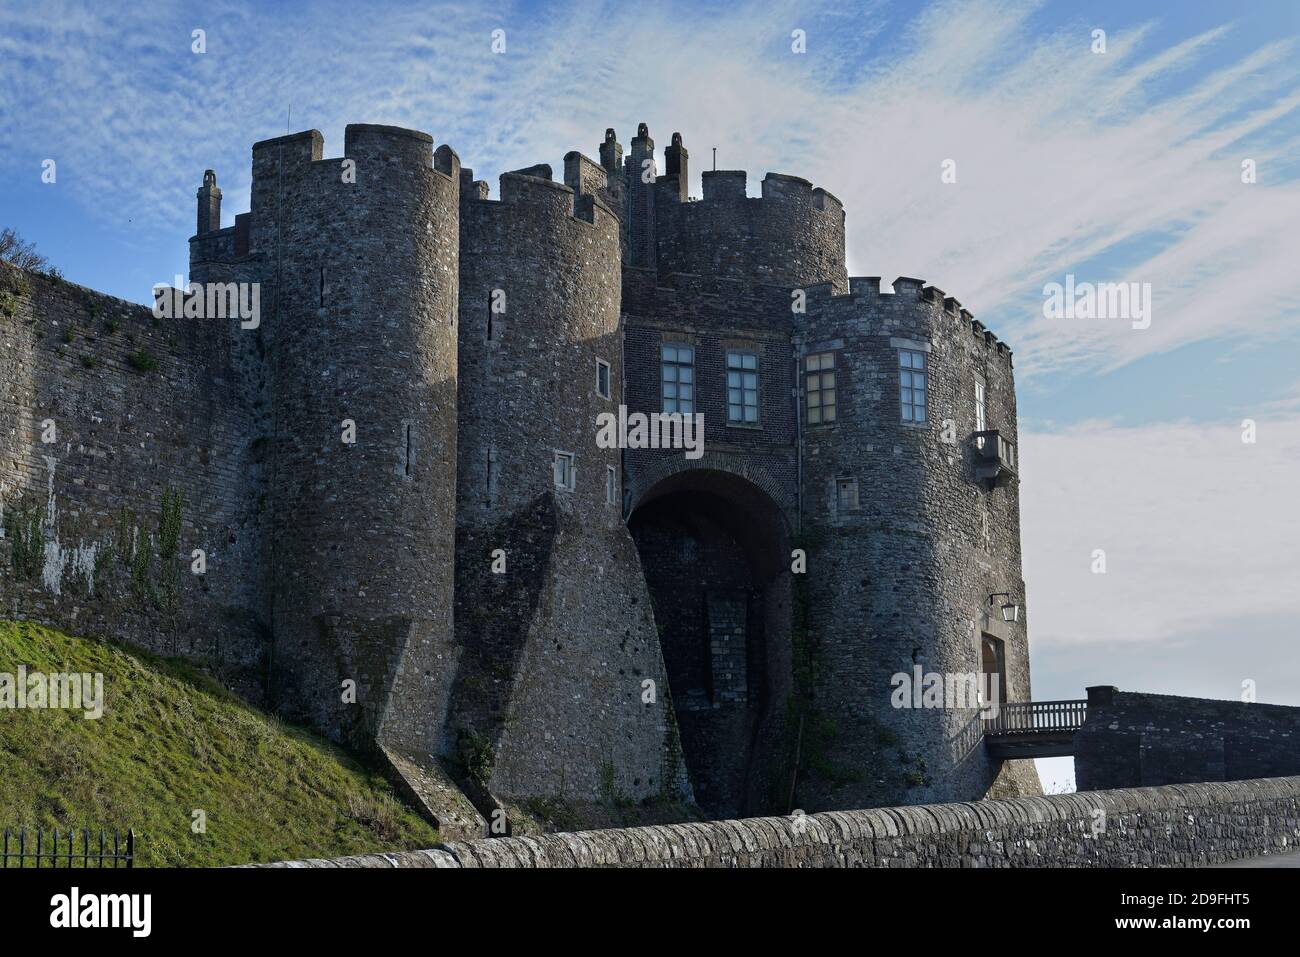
{"x": 23, "y": 529}
{"x": 168, "y": 542}
{"x": 163, "y": 591}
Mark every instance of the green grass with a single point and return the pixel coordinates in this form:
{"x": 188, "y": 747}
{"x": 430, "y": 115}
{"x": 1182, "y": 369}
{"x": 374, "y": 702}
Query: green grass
{"x": 171, "y": 741}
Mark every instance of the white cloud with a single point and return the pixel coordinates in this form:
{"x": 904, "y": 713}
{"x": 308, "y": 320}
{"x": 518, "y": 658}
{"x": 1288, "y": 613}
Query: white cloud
{"x": 1063, "y": 154}
{"x": 1200, "y": 530}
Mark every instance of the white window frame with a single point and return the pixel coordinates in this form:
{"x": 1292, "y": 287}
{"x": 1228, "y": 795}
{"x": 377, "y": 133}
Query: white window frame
{"x": 743, "y": 376}
{"x": 676, "y": 376}
{"x": 820, "y": 373}
{"x": 981, "y": 408}
{"x": 564, "y": 471}
{"x": 911, "y": 363}
{"x": 609, "y": 388}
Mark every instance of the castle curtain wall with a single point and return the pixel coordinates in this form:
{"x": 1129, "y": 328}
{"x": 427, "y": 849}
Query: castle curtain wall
{"x": 153, "y": 455}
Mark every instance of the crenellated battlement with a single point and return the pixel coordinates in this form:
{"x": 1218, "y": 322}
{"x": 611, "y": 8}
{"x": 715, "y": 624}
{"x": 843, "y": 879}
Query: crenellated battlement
{"x": 474, "y": 340}
{"x": 864, "y": 289}
{"x": 584, "y": 175}
{"x": 292, "y": 148}
{"x": 374, "y": 152}
{"x": 368, "y": 140}
{"x": 792, "y": 235}
{"x": 532, "y": 191}
{"x": 389, "y": 145}
{"x": 721, "y": 186}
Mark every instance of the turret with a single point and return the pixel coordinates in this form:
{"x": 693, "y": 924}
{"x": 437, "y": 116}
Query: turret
{"x": 912, "y": 536}
{"x": 611, "y": 152}
{"x": 641, "y": 199}
{"x": 361, "y": 356}
{"x": 541, "y": 359}
{"x": 793, "y": 235}
{"x": 209, "y": 196}
{"x": 676, "y": 170}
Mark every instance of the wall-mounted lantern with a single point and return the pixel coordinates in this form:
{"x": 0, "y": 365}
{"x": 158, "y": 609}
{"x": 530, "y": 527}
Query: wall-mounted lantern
{"x": 1010, "y": 610}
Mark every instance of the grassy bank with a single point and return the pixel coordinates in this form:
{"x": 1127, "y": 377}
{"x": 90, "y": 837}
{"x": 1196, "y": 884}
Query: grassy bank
{"x": 170, "y": 743}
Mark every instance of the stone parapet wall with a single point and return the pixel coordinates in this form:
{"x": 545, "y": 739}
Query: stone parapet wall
{"x": 1133, "y": 739}
{"x": 1177, "y": 825}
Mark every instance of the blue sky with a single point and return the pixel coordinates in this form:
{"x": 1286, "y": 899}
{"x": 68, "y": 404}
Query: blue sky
{"x": 1116, "y": 166}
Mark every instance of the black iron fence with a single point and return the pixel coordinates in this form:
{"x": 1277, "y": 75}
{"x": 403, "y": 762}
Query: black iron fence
{"x": 67, "y": 849}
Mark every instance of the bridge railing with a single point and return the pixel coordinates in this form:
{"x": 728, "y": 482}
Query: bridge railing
{"x": 1037, "y": 717}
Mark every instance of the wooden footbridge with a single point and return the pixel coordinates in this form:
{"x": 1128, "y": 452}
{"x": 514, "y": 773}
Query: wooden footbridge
{"x": 1034, "y": 729}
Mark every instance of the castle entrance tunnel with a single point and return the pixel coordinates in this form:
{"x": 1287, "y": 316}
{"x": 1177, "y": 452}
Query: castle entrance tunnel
{"x": 715, "y": 551}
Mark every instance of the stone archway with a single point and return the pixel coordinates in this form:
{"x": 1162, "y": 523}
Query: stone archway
{"x": 715, "y": 551}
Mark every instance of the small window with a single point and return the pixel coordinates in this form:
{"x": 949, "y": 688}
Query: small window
{"x": 490, "y": 477}
{"x": 678, "y": 378}
{"x": 611, "y": 485}
{"x": 912, "y": 387}
{"x": 742, "y": 387}
{"x": 602, "y": 378}
{"x": 563, "y": 470}
{"x": 981, "y": 422}
{"x": 819, "y": 387}
{"x": 846, "y": 494}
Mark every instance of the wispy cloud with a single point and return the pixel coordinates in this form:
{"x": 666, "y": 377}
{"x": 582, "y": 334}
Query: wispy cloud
{"x": 1117, "y": 166}
{"x": 1290, "y": 399}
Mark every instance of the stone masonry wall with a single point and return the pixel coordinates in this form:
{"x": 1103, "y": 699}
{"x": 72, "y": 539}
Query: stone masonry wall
{"x": 1133, "y": 739}
{"x": 550, "y": 700}
{"x": 139, "y": 407}
{"x": 791, "y": 236}
{"x": 362, "y": 331}
{"x": 899, "y": 577}
{"x": 712, "y": 317}
{"x": 331, "y": 561}
{"x": 1183, "y": 825}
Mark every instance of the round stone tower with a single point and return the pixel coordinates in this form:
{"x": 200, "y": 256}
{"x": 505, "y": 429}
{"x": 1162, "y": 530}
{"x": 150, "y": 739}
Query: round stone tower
{"x": 911, "y": 521}
{"x": 792, "y": 236}
{"x": 541, "y": 351}
{"x": 561, "y": 678}
{"x": 359, "y": 255}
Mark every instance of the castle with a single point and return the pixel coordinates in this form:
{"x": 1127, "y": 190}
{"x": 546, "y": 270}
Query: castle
{"x": 384, "y": 511}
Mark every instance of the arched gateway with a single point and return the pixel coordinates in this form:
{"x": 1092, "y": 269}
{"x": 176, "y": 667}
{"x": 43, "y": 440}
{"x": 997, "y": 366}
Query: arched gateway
{"x": 714, "y": 548}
